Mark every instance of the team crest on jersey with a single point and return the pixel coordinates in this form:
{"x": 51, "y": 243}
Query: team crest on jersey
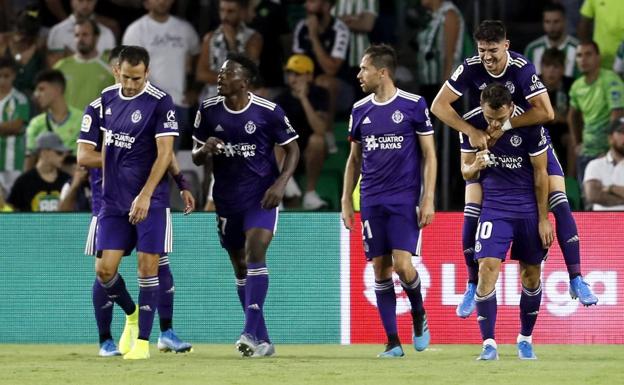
{"x": 397, "y": 117}
{"x": 86, "y": 123}
{"x": 136, "y": 116}
{"x": 510, "y": 86}
{"x": 515, "y": 140}
{"x": 250, "y": 127}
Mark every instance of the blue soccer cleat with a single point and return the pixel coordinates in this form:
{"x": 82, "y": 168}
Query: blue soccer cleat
{"x": 468, "y": 304}
{"x": 168, "y": 341}
{"x": 421, "y": 336}
{"x": 489, "y": 352}
{"x": 395, "y": 351}
{"x": 246, "y": 345}
{"x": 109, "y": 349}
{"x": 525, "y": 351}
{"x": 581, "y": 290}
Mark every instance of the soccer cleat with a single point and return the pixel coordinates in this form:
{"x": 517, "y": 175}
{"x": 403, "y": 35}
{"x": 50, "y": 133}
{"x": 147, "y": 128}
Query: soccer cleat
{"x": 246, "y": 345}
{"x": 395, "y": 351}
{"x": 421, "y": 336}
{"x": 489, "y": 352}
{"x": 130, "y": 332}
{"x": 140, "y": 351}
{"x": 312, "y": 201}
{"x": 108, "y": 349}
{"x": 264, "y": 349}
{"x": 468, "y": 304}
{"x": 581, "y": 290}
{"x": 168, "y": 341}
{"x": 525, "y": 351}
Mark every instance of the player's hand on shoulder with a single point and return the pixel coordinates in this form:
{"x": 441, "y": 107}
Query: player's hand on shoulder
{"x": 426, "y": 212}
{"x": 547, "y": 234}
{"x": 478, "y": 139}
{"x": 273, "y": 195}
{"x": 213, "y": 146}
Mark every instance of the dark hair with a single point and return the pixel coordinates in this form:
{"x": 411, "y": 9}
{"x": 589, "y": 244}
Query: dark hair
{"x": 134, "y": 55}
{"x": 241, "y": 3}
{"x": 51, "y": 76}
{"x": 28, "y": 23}
{"x": 553, "y": 56}
{"x": 496, "y": 95}
{"x": 251, "y": 69}
{"x": 382, "y": 56}
{"x": 115, "y": 52}
{"x": 554, "y": 7}
{"x": 592, "y": 43}
{"x": 7, "y": 61}
{"x": 490, "y": 31}
{"x": 94, "y": 26}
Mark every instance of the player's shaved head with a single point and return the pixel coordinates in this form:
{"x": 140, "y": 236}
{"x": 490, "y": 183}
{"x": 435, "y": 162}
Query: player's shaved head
{"x": 490, "y": 31}
{"x": 496, "y": 96}
{"x": 382, "y": 56}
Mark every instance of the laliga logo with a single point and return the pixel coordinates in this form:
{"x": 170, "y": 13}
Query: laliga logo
{"x": 403, "y": 304}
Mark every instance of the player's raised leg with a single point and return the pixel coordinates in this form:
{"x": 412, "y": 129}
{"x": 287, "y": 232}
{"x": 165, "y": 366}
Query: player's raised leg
{"x": 168, "y": 340}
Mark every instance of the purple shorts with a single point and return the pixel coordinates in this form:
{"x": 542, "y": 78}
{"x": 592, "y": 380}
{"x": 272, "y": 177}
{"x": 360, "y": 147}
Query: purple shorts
{"x": 390, "y": 227}
{"x": 232, "y": 228}
{"x": 553, "y": 167}
{"x": 495, "y": 235}
{"x": 154, "y": 235}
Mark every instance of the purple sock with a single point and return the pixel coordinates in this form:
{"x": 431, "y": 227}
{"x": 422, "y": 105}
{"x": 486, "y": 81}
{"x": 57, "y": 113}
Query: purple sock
{"x": 256, "y": 289}
{"x": 567, "y": 233}
{"x": 386, "y": 304}
{"x": 263, "y": 333}
{"x": 412, "y": 289}
{"x": 472, "y": 211}
{"x": 486, "y": 314}
{"x": 530, "y": 301}
{"x": 103, "y": 309}
{"x": 166, "y": 291}
{"x": 148, "y": 303}
{"x": 116, "y": 291}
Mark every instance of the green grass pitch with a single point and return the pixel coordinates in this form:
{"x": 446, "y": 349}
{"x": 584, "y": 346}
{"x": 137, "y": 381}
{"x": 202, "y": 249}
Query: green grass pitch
{"x": 312, "y": 364}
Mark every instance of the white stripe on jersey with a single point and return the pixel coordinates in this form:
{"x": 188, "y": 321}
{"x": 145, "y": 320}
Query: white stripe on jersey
{"x": 212, "y": 101}
{"x": 96, "y": 103}
{"x": 409, "y": 95}
{"x": 362, "y": 101}
{"x": 471, "y": 113}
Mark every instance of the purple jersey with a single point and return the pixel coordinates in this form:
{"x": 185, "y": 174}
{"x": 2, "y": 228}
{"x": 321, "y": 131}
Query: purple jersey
{"x": 90, "y": 133}
{"x": 391, "y": 154}
{"x": 246, "y": 168}
{"x": 131, "y": 126}
{"x": 508, "y": 185}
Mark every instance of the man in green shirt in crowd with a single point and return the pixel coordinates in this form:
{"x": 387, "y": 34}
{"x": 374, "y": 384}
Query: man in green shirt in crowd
{"x": 57, "y": 115}
{"x": 596, "y": 100}
{"x": 85, "y": 72}
{"x": 608, "y": 29}
{"x": 14, "y": 113}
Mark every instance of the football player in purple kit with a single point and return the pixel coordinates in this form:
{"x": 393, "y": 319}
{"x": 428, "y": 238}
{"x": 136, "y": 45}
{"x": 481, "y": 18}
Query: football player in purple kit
{"x": 139, "y": 126}
{"x": 514, "y": 178}
{"x": 496, "y": 63}
{"x": 238, "y": 130}
{"x": 391, "y": 141}
{"x": 89, "y": 156}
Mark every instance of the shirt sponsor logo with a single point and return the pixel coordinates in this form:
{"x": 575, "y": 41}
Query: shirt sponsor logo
{"x": 250, "y": 127}
{"x": 366, "y": 120}
{"x": 457, "y": 72}
{"x": 120, "y": 140}
{"x": 197, "y": 119}
{"x": 289, "y": 127}
{"x": 86, "y": 123}
{"x": 136, "y": 116}
{"x": 171, "y": 122}
{"x": 397, "y": 117}
{"x": 537, "y": 83}
{"x": 428, "y": 121}
{"x": 386, "y": 142}
{"x": 515, "y": 140}
{"x": 544, "y": 140}
{"x": 508, "y": 162}
{"x": 245, "y": 150}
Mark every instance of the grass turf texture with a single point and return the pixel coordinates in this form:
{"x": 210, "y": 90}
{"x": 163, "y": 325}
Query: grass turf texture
{"x": 312, "y": 364}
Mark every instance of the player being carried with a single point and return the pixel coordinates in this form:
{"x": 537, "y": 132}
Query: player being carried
{"x": 495, "y": 63}
{"x": 391, "y": 141}
{"x": 238, "y": 130}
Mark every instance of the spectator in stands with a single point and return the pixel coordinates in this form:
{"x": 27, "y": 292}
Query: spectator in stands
{"x": 14, "y": 114}
{"x": 604, "y": 177}
{"x": 440, "y": 46}
{"x": 608, "y": 29}
{"x": 554, "y": 24}
{"x": 232, "y": 35}
{"x": 558, "y": 86}
{"x": 4, "y": 206}
{"x": 22, "y": 45}
{"x": 596, "y": 99}
{"x": 76, "y": 192}
{"x": 57, "y": 115}
{"x": 325, "y": 39}
{"x": 359, "y": 16}
{"x": 305, "y": 105}
{"x": 40, "y": 188}
{"x": 85, "y": 72}
{"x": 61, "y": 39}
{"x": 618, "y": 63}
{"x": 172, "y": 44}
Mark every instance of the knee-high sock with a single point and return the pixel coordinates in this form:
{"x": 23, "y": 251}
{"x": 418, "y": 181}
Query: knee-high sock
{"x": 472, "y": 211}
{"x": 116, "y": 291}
{"x": 412, "y": 289}
{"x": 486, "y": 314}
{"x": 530, "y": 301}
{"x": 103, "y": 309}
{"x": 166, "y": 292}
{"x": 148, "y": 303}
{"x": 386, "y": 304}
{"x": 263, "y": 333}
{"x": 256, "y": 289}
{"x": 567, "y": 233}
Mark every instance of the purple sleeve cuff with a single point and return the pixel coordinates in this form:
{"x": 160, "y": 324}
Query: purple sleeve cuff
{"x": 181, "y": 182}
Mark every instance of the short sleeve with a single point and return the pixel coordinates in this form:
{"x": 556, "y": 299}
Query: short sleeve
{"x": 17, "y": 196}
{"x": 90, "y": 126}
{"x": 201, "y": 129}
{"x": 422, "y": 119}
{"x": 593, "y": 171}
{"x": 530, "y": 82}
{"x": 283, "y": 131}
{"x": 464, "y": 143}
{"x": 166, "y": 121}
{"x": 459, "y": 80}
{"x": 355, "y": 135}
{"x": 537, "y": 140}
{"x": 615, "y": 93}
{"x": 574, "y": 102}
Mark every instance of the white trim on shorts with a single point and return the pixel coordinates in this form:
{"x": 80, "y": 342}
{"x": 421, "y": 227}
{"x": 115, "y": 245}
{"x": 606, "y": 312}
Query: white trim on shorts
{"x": 168, "y": 233}
{"x": 90, "y": 248}
{"x": 276, "y": 219}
